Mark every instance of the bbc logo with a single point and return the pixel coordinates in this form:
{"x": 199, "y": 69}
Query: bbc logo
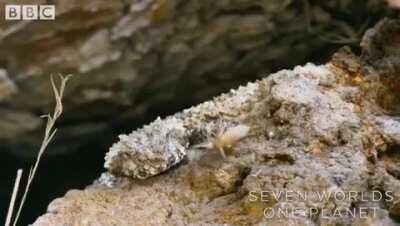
{"x": 30, "y": 12}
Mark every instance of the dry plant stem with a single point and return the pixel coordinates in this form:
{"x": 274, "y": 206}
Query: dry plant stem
{"x": 48, "y": 136}
{"x": 13, "y": 197}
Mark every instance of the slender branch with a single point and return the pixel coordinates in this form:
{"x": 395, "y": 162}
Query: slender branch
{"x": 13, "y": 197}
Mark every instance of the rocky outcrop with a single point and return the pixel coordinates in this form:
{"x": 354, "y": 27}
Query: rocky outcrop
{"x": 327, "y": 129}
{"x": 133, "y": 57}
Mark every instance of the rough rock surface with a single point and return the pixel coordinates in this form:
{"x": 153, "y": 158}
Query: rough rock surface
{"x": 331, "y": 127}
{"x": 134, "y": 56}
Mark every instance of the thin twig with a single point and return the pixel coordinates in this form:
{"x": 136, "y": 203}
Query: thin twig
{"x": 48, "y": 136}
{"x": 13, "y": 197}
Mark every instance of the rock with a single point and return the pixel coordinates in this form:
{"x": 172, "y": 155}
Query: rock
{"x": 394, "y": 3}
{"x": 131, "y": 57}
{"x": 7, "y": 87}
{"x": 312, "y": 132}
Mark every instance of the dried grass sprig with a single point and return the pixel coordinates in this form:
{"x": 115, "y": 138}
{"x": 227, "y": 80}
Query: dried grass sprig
{"x": 13, "y": 197}
{"x": 50, "y": 131}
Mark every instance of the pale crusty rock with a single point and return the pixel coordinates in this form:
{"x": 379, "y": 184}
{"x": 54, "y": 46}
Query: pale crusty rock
{"x": 390, "y": 127}
{"x": 147, "y": 53}
{"x": 326, "y": 128}
{"x": 307, "y": 134}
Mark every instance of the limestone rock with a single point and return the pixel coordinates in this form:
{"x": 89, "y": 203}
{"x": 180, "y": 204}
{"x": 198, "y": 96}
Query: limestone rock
{"x": 312, "y": 130}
